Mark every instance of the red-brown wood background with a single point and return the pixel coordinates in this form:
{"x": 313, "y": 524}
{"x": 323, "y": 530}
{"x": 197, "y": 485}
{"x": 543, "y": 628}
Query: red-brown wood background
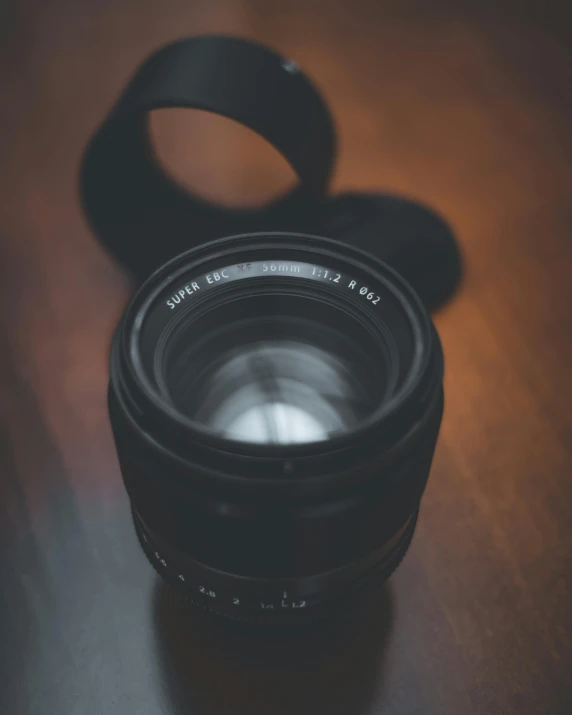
{"x": 465, "y": 106}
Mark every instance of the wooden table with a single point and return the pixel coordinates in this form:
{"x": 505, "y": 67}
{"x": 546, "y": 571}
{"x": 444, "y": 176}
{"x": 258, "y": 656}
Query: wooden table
{"x": 465, "y": 108}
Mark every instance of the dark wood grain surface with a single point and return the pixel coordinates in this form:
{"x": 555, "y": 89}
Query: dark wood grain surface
{"x": 466, "y": 107}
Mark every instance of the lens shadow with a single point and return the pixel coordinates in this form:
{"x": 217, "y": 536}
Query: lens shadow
{"x": 213, "y": 666}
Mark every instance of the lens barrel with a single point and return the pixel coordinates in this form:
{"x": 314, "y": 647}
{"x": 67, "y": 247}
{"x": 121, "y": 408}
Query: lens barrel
{"x": 275, "y": 401}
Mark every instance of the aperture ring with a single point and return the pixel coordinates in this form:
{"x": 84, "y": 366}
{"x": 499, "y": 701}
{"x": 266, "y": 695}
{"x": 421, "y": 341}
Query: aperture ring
{"x": 272, "y": 601}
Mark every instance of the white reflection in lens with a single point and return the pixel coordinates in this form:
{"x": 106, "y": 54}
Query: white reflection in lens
{"x": 276, "y": 422}
{"x": 282, "y": 392}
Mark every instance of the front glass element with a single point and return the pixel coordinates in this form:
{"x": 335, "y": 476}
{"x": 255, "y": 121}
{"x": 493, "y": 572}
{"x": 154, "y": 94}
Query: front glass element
{"x": 280, "y": 379}
{"x": 275, "y": 392}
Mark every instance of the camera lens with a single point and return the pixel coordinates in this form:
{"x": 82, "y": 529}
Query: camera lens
{"x": 275, "y": 401}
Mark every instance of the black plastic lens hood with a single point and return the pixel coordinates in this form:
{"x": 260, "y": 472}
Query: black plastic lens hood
{"x": 144, "y": 218}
